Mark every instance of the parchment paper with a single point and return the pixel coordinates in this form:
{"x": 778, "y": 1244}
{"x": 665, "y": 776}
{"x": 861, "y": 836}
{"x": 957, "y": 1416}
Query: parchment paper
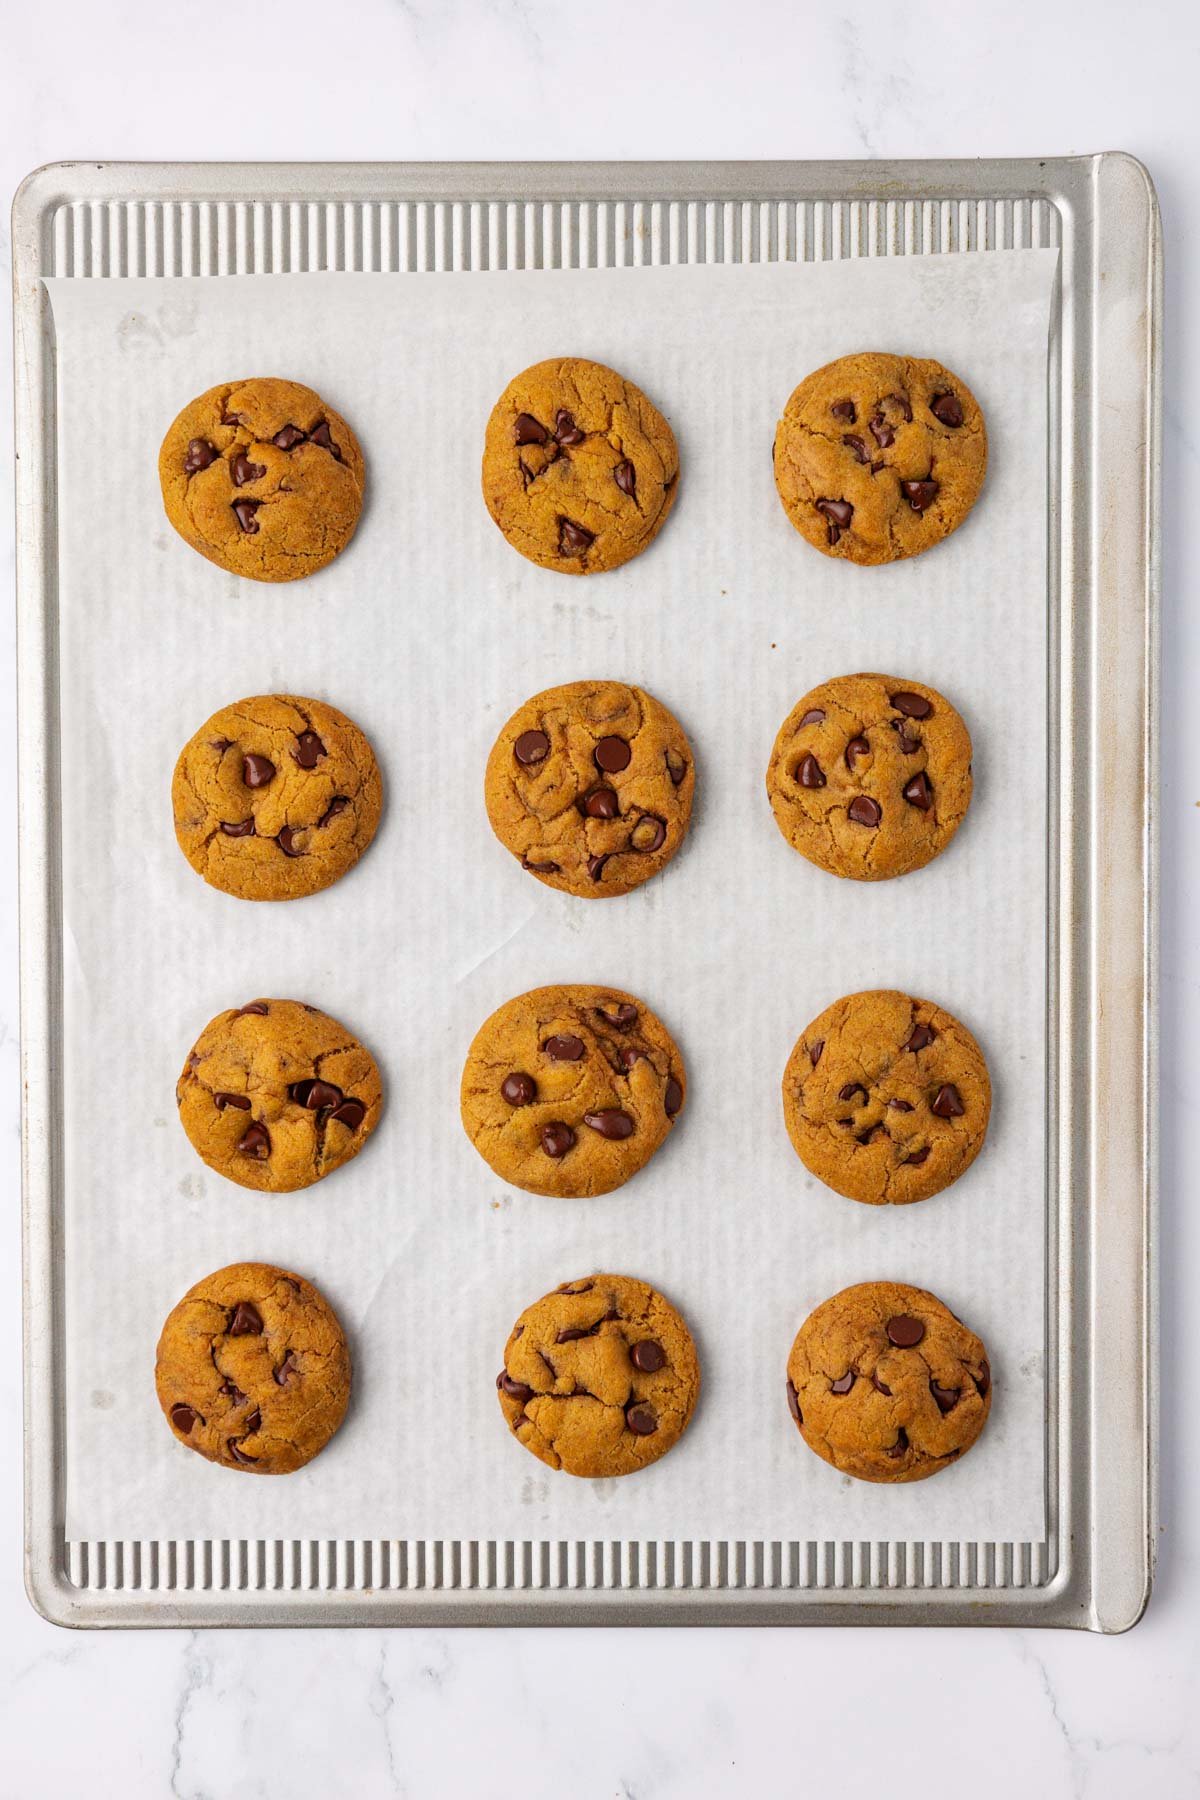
{"x": 428, "y": 632}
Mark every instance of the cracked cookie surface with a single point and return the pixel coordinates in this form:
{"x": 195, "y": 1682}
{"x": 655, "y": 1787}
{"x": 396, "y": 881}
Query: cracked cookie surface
{"x": 870, "y": 776}
{"x": 600, "y": 1377}
{"x": 579, "y": 469}
{"x": 570, "y": 1090}
{"x": 276, "y": 797}
{"x": 275, "y": 1095}
{"x": 878, "y": 457}
{"x": 590, "y": 786}
{"x": 263, "y": 478}
{"x": 885, "y": 1383}
{"x": 886, "y": 1098}
{"x": 253, "y": 1370}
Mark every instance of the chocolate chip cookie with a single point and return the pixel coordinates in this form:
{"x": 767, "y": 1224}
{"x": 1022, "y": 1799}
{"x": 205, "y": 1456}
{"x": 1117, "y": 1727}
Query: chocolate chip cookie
{"x": 870, "y": 776}
{"x": 570, "y": 1090}
{"x": 887, "y": 1384}
{"x": 275, "y": 1095}
{"x": 263, "y": 478}
{"x": 879, "y": 456}
{"x": 886, "y": 1098}
{"x": 276, "y": 797}
{"x": 600, "y": 1377}
{"x": 590, "y": 786}
{"x": 579, "y": 469}
{"x": 253, "y": 1370}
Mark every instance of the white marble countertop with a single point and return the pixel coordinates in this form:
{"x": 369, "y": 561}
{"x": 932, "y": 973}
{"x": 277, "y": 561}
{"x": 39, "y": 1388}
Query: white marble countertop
{"x": 644, "y": 1715}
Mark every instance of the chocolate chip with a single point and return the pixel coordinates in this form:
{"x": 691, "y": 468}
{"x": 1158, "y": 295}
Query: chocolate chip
{"x": 528, "y": 430}
{"x": 573, "y": 538}
{"x": 920, "y": 494}
{"x": 308, "y": 748}
{"x": 810, "y": 773}
{"x": 676, "y": 766}
{"x": 255, "y": 1006}
{"x": 983, "y": 1380}
{"x": 232, "y": 1393}
{"x": 221, "y": 745}
{"x": 350, "y": 1113}
{"x": 625, "y": 477}
{"x": 570, "y": 1334}
{"x": 610, "y": 1122}
{"x": 844, "y": 409}
{"x": 518, "y": 1089}
{"x": 246, "y": 1320}
{"x": 257, "y": 770}
{"x": 595, "y": 866}
{"x": 906, "y": 741}
{"x": 648, "y": 1356}
{"x": 672, "y": 1098}
{"x": 516, "y": 1390}
{"x": 856, "y": 748}
{"x": 839, "y": 514}
{"x": 625, "y": 1015}
{"x": 531, "y": 747}
{"x": 539, "y": 868}
{"x": 947, "y": 1398}
{"x": 880, "y": 1387}
{"x": 814, "y": 1054}
{"x": 913, "y": 706}
{"x": 199, "y": 454}
{"x": 557, "y": 1139}
{"x": 813, "y": 716}
{"x": 903, "y": 402}
{"x": 287, "y": 1370}
{"x": 865, "y": 811}
{"x": 918, "y": 792}
{"x": 851, "y": 1088}
{"x": 870, "y": 1134}
{"x": 289, "y": 437}
{"x": 243, "y": 828}
{"x": 921, "y": 1035}
{"x": 319, "y": 1094}
{"x": 793, "y": 1402}
{"x": 183, "y": 1417}
{"x": 240, "y": 1101}
{"x": 253, "y": 1423}
{"x": 233, "y": 1448}
{"x": 649, "y": 834}
{"x": 881, "y": 431}
{"x": 299, "y": 1092}
{"x": 243, "y": 470}
{"x": 565, "y": 1047}
{"x": 612, "y": 754}
{"x": 904, "y": 1331}
{"x": 918, "y": 1157}
{"x": 900, "y": 1105}
{"x": 900, "y": 1445}
{"x": 231, "y": 418}
{"x": 601, "y": 803}
{"x": 641, "y": 1421}
{"x": 629, "y": 1056}
{"x": 947, "y": 1103}
{"x": 566, "y": 431}
{"x": 244, "y": 511}
{"x": 859, "y": 448}
{"x": 320, "y": 435}
{"x": 843, "y": 1384}
{"x": 337, "y": 805}
{"x": 286, "y": 839}
{"x": 577, "y": 1287}
{"x": 255, "y": 1141}
{"x": 947, "y": 408}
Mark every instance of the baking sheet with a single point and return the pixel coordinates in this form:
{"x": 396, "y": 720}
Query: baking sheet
{"x": 428, "y": 631}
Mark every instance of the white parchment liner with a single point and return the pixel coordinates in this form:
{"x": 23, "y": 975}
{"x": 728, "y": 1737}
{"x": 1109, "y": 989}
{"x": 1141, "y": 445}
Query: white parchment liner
{"x": 429, "y": 631}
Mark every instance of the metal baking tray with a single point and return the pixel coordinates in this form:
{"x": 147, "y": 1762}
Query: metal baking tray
{"x": 1094, "y": 1568}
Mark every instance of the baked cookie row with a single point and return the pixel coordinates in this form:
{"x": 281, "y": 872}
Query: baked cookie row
{"x": 600, "y": 1377}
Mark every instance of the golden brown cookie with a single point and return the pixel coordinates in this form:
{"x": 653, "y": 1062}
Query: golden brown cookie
{"x": 276, "y": 797}
{"x": 886, "y": 1098}
{"x": 887, "y": 1384}
{"x": 275, "y": 1095}
{"x": 600, "y": 1377}
{"x": 870, "y": 776}
{"x": 879, "y": 456}
{"x": 570, "y": 1090}
{"x": 590, "y": 785}
{"x": 262, "y": 478}
{"x": 579, "y": 469}
{"x": 253, "y": 1369}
